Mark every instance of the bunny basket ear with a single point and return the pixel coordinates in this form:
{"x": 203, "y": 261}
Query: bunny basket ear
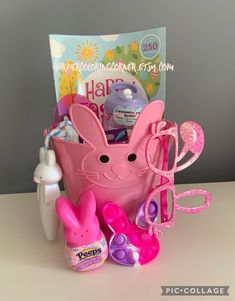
{"x": 87, "y": 125}
{"x": 65, "y": 213}
{"x": 151, "y": 113}
{"x": 86, "y": 208}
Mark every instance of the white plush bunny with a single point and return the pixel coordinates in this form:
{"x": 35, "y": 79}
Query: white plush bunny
{"x": 47, "y": 175}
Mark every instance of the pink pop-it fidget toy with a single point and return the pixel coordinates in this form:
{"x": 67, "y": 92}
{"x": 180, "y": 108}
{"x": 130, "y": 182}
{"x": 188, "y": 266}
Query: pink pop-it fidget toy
{"x": 130, "y": 244}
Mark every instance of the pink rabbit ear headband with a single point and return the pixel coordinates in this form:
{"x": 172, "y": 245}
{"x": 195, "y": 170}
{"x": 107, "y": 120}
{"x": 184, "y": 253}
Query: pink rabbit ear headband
{"x": 193, "y": 139}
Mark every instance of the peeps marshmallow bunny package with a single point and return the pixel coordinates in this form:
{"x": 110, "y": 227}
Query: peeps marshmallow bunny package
{"x": 110, "y": 145}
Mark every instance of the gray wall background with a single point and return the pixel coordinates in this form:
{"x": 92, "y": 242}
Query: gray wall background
{"x": 200, "y": 43}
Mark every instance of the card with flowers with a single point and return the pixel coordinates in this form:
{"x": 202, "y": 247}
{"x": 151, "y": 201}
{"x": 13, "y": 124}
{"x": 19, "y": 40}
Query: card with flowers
{"x": 89, "y": 65}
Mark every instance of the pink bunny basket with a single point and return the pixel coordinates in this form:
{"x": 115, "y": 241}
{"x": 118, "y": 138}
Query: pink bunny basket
{"x": 117, "y": 172}
{"x": 131, "y": 184}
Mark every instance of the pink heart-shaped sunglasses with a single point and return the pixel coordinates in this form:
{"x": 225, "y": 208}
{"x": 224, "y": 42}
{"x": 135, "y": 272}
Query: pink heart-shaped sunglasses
{"x": 193, "y": 142}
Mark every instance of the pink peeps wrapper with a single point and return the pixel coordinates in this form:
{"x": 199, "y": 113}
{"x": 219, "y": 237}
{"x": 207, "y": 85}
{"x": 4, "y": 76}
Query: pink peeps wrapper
{"x": 87, "y": 257}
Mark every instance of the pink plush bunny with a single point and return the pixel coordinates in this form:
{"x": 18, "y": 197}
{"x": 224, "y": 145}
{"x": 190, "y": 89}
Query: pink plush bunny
{"x": 119, "y": 171}
{"x": 86, "y": 246}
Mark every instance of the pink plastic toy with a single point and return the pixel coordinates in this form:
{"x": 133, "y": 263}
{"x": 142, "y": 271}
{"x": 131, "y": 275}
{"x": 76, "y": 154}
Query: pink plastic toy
{"x": 85, "y": 247}
{"x": 62, "y": 107}
{"x": 193, "y": 138}
{"x": 130, "y": 244}
{"x": 117, "y": 172}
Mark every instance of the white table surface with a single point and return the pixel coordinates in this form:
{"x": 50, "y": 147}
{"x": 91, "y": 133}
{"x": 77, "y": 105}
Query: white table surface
{"x": 199, "y": 250}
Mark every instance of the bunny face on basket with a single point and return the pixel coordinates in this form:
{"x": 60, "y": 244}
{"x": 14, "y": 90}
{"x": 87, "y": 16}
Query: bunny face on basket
{"x": 117, "y": 165}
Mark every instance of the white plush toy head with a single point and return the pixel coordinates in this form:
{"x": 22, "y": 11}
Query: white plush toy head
{"x": 47, "y": 171}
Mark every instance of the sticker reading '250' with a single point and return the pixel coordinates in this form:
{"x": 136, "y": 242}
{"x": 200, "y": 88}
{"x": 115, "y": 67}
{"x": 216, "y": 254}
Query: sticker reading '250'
{"x": 150, "y": 46}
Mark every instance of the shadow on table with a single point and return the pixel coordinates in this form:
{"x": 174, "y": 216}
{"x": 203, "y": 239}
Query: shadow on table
{"x": 24, "y": 240}
{"x": 23, "y": 237}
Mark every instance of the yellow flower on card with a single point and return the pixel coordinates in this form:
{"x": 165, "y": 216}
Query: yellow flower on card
{"x": 134, "y": 46}
{"x": 109, "y": 54}
{"x": 149, "y": 88}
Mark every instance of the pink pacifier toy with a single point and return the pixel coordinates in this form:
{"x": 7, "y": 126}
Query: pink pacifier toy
{"x": 131, "y": 244}
{"x": 86, "y": 247}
